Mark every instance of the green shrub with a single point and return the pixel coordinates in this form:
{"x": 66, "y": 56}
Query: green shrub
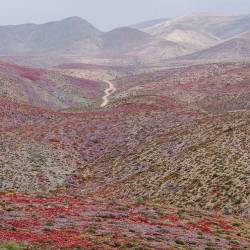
{"x": 235, "y": 242}
{"x": 49, "y": 223}
{"x": 218, "y": 231}
{"x": 9, "y": 245}
{"x": 91, "y": 229}
{"x": 181, "y": 213}
{"x": 179, "y": 242}
{"x": 236, "y": 224}
{"x": 140, "y": 200}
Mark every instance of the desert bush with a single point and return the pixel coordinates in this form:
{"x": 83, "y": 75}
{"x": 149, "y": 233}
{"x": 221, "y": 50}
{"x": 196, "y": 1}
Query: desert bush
{"x": 140, "y": 200}
{"x": 9, "y": 245}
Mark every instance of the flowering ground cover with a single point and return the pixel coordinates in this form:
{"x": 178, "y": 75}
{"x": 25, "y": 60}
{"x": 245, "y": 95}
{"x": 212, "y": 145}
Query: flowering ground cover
{"x": 158, "y": 168}
{"x": 66, "y": 222}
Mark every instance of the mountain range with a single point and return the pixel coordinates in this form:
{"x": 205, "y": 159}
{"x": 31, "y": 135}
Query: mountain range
{"x": 75, "y": 36}
{"x": 206, "y": 35}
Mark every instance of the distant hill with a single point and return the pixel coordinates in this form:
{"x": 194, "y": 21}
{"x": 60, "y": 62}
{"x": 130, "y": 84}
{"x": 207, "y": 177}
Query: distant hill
{"x": 200, "y": 31}
{"x": 52, "y": 36}
{"x": 218, "y": 25}
{"x": 236, "y": 48}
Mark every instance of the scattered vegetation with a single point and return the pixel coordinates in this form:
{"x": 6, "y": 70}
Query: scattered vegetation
{"x": 167, "y": 157}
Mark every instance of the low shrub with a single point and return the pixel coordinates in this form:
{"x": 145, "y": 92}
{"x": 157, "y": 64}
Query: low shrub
{"x": 9, "y": 245}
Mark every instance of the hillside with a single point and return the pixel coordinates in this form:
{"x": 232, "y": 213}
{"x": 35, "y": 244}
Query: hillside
{"x": 164, "y": 104}
{"x": 233, "y": 49}
{"x": 47, "y": 89}
{"x": 173, "y": 173}
{"x": 189, "y": 37}
{"x": 221, "y": 26}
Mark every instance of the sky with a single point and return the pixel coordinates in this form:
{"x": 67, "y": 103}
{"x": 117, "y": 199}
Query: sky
{"x": 108, "y": 14}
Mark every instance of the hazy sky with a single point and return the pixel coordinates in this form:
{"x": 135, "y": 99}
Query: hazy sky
{"x": 107, "y": 14}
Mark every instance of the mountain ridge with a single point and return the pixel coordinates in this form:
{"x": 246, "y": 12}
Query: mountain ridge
{"x": 153, "y": 41}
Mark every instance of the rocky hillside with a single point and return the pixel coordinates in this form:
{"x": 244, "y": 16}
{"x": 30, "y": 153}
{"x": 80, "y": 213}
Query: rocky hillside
{"x": 47, "y": 89}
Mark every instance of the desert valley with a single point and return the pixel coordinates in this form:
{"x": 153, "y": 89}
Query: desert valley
{"x": 135, "y": 138}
